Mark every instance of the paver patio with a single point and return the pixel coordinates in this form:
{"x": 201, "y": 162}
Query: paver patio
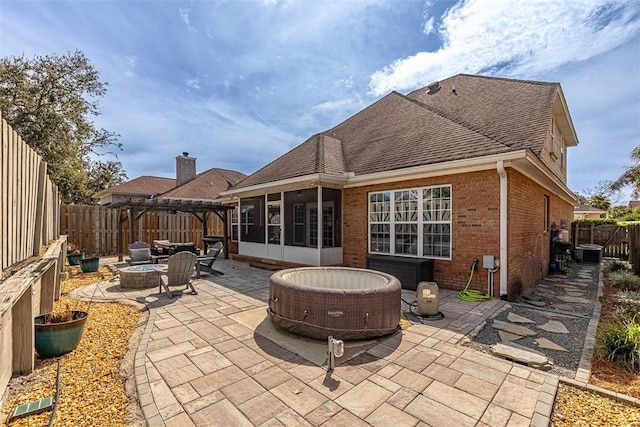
{"x": 196, "y": 366}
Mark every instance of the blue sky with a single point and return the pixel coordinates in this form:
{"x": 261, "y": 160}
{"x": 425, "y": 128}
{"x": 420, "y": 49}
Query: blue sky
{"x": 238, "y": 83}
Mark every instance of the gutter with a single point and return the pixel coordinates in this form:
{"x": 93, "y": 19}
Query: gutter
{"x": 503, "y": 229}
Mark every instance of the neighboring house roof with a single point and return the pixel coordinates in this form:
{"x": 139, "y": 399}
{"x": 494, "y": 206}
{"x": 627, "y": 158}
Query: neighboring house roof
{"x": 485, "y": 116}
{"x": 143, "y": 185}
{"x": 586, "y": 208}
{"x": 205, "y": 186}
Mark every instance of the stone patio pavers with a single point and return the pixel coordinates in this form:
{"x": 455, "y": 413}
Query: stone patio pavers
{"x": 388, "y": 415}
{"x": 196, "y": 366}
{"x": 364, "y": 398}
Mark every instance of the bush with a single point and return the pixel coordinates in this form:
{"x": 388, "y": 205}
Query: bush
{"x": 620, "y": 343}
{"x": 625, "y": 280}
{"x": 626, "y": 307}
{"x": 616, "y": 265}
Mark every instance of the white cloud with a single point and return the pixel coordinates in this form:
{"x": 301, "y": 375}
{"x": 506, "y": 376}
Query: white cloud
{"x": 482, "y": 36}
{"x": 184, "y": 15}
{"x": 429, "y": 27}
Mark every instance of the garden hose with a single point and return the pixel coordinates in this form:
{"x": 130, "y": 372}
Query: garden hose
{"x": 471, "y": 294}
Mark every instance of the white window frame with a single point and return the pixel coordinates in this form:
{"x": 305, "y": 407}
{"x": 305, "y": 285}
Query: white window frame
{"x": 420, "y": 222}
{"x": 235, "y": 216}
{"x": 299, "y": 239}
{"x": 274, "y": 204}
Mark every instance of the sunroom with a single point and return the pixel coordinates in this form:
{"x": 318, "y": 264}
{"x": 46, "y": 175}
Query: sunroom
{"x": 297, "y": 226}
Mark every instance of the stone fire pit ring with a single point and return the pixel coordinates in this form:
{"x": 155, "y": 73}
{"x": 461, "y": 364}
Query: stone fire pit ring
{"x": 141, "y": 276}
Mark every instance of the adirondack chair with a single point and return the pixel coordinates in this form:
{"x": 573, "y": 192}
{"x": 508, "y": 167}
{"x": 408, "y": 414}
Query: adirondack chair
{"x": 140, "y": 253}
{"x": 179, "y": 270}
{"x": 205, "y": 263}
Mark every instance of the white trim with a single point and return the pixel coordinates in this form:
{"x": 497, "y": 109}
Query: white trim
{"x": 439, "y": 169}
{"x": 312, "y": 180}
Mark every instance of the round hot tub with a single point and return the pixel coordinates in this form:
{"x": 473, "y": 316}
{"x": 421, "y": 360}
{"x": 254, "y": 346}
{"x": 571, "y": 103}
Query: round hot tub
{"x": 346, "y": 303}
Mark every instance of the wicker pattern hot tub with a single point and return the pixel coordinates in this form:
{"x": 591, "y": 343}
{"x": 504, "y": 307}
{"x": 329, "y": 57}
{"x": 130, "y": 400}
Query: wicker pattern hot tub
{"x": 347, "y": 303}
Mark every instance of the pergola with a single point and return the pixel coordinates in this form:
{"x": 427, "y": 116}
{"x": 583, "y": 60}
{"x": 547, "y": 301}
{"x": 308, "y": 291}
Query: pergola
{"x": 133, "y": 208}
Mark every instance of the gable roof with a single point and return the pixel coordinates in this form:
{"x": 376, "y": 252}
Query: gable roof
{"x": 205, "y": 186}
{"x": 484, "y": 116}
{"x": 587, "y": 208}
{"x": 143, "y": 185}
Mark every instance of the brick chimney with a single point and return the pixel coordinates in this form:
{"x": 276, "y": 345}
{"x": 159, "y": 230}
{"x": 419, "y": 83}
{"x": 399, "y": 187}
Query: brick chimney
{"x": 185, "y": 169}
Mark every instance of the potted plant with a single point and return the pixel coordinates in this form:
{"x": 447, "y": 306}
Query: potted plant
{"x": 59, "y": 332}
{"x": 90, "y": 264}
{"x": 74, "y": 254}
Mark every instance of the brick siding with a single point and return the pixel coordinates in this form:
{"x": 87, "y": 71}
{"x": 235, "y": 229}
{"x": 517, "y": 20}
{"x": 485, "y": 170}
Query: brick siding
{"x": 475, "y": 228}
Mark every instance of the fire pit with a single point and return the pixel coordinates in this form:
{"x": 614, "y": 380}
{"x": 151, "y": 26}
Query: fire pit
{"x": 141, "y": 276}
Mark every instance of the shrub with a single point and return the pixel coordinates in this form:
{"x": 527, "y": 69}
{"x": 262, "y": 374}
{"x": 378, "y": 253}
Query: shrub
{"x": 616, "y": 265}
{"x": 626, "y": 306}
{"x": 620, "y": 343}
{"x": 625, "y": 280}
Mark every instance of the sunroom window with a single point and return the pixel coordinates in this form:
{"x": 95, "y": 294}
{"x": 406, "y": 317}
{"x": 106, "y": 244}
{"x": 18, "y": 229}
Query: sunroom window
{"x": 420, "y": 224}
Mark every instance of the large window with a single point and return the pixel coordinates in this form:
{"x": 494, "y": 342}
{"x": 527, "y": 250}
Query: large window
{"x": 420, "y": 224}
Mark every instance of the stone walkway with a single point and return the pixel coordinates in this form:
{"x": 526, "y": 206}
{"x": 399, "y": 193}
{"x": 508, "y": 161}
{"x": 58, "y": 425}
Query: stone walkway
{"x": 197, "y": 366}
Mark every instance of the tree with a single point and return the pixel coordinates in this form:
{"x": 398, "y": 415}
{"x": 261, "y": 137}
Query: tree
{"x": 618, "y": 211}
{"x": 49, "y": 100}
{"x": 599, "y": 201}
{"x": 631, "y": 176}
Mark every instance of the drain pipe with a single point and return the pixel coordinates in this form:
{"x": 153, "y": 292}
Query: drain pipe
{"x": 503, "y": 229}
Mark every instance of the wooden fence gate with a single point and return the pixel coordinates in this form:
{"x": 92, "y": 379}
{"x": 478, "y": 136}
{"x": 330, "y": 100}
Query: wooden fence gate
{"x": 613, "y": 238}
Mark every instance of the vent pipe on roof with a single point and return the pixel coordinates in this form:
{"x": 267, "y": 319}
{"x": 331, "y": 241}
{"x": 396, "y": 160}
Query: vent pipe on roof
{"x": 185, "y": 169}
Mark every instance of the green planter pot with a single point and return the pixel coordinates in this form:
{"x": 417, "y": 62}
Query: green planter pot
{"x": 75, "y": 259}
{"x": 88, "y": 265}
{"x": 56, "y": 339}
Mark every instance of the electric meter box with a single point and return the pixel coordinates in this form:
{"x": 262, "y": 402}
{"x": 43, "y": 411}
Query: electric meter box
{"x": 428, "y": 298}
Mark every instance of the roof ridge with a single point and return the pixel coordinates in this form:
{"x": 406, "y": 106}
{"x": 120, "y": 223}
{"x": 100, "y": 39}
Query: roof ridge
{"x": 510, "y": 79}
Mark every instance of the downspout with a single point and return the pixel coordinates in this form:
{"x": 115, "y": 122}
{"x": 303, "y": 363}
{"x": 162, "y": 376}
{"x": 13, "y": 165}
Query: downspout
{"x": 320, "y": 218}
{"x": 503, "y": 229}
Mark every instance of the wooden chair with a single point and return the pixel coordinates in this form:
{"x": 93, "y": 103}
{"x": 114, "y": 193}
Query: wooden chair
{"x": 140, "y": 253}
{"x": 179, "y": 271}
{"x": 211, "y": 256}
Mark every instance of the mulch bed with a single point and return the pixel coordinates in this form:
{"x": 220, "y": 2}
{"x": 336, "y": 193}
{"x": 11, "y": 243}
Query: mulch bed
{"x": 93, "y": 386}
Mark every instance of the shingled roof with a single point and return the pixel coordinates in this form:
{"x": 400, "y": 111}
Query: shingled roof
{"x": 516, "y": 113}
{"x": 143, "y": 185}
{"x": 206, "y": 185}
{"x": 464, "y": 117}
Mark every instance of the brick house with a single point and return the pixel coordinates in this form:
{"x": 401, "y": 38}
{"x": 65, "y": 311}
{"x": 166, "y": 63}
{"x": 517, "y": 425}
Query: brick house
{"x": 463, "y": 168}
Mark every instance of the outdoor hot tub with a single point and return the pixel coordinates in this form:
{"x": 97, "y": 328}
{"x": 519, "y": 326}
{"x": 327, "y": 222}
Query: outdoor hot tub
{"x": 346, "y": 303}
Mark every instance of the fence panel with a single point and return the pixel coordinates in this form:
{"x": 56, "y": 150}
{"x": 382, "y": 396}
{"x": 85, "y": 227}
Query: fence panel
{"x": 95, "y": 228}
{"x": 29, "y": 202}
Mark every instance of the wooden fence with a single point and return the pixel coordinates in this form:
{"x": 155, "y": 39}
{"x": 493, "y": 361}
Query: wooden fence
{"x": 613, "y": 238}
{"x": 634, "y": 247}
{"x": 94, "y": 229}
{"x": 29, "y": 201}
{"x": 29, "y": 222}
